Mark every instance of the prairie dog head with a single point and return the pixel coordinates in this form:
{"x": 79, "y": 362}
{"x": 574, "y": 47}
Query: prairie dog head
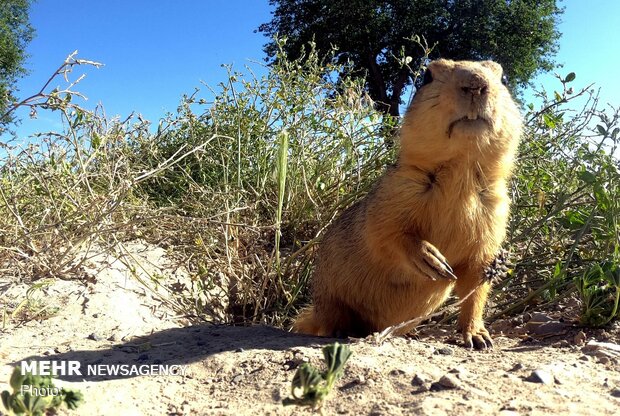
{"x": 462, "y": 110}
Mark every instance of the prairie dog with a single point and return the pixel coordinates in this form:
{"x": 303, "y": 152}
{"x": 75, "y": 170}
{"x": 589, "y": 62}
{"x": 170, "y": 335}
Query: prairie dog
{"x": 433, "y": 221}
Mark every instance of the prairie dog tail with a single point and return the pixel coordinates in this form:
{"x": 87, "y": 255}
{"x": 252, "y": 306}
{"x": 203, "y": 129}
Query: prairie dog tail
{"x": 307, "y": 323}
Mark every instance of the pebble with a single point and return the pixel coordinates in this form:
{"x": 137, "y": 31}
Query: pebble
{"x": 580, "y": 338}
{"x": 539, "y": 317}
{"x": 446, "y": 382}
{"x": 444, "y": 351}
{"x": 61, "y": 349}
{"x": 418, "y": 380}
{"x": 544, "y": 328}
{"x": 397, "y": 372}
{"x": 540, "y": 376}
{"x": 459, "y": 371}
{"x": 95, "y": 337}
{"x": 593, "y": 346}
{"x": 615, "y": 393}
{"x": 602, "y": 359}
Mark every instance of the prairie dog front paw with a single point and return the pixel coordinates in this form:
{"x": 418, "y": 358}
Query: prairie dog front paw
{"x": 427, "y": 260}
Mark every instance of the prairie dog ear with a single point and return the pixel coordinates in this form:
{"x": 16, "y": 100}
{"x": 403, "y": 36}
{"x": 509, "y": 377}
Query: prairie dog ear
{"x": 440, "y": 65}
{"x": 493, "y": 66}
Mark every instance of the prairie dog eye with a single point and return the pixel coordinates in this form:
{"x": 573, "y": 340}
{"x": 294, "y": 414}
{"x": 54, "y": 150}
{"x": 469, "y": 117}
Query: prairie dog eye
{"x": 504, "y": 80}
{"x": 428, "y": 77}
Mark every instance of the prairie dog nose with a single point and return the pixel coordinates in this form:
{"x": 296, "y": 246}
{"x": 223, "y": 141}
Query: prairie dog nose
{"x": 474, "y": 84}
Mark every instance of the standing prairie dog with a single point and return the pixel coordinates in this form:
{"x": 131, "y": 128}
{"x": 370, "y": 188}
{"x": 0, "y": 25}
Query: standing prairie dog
{"x": 433, "y": 221}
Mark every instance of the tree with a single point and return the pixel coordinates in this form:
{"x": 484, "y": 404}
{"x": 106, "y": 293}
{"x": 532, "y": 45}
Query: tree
{"x": 377, "y": 36}
{"x": 15, "y": 34}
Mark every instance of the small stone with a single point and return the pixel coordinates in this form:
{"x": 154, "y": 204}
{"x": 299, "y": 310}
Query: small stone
{"x": 449, "y": 382}
{"x": 615, "y": 393}
{"x": 459, "y": 371}
{"x": 435, "y": 386}
{"x": 602, "y": 359}
{"x": 545, "y": 327}
{"x": 580, "y": 338}
{"x": 540, "y": 376}
{"x": 418, "y": 380}
{"x": 113, "y": 338}
{"x": 444, "y": 351}
{"x": 592, "y": 347}
{"x": 62, "y": 349}
{"x": 95, "y": 315}
{"x": 517, "y": 367}
{"x": 239, "y": 350}
{"x": 94, "y": 336}
{"x": 540, "y": 317}
{"x": 421, "y": 389}
{"x": 585, "y": 358}
{"x": 237, "y": 378}
{"x": 361, "y": 379}
{"x": 397, "y": 372}
{"x": 185, "y": 408}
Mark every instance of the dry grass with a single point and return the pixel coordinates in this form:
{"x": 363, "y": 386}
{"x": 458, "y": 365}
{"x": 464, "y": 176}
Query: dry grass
{"x": 238, "y": 189}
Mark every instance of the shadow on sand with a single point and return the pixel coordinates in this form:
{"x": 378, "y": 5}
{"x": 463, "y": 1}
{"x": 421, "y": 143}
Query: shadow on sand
{"x": 180, "y": 346}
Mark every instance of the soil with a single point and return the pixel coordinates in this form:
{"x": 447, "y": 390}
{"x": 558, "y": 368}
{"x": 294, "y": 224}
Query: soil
{"x": 542, "y": 363}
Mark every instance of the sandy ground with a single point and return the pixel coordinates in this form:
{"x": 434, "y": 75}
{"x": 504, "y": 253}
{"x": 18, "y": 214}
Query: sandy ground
{"x": 248, "y": 370}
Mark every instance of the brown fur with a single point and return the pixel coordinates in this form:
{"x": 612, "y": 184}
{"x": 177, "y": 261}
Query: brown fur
{"x": 378, "y": 263}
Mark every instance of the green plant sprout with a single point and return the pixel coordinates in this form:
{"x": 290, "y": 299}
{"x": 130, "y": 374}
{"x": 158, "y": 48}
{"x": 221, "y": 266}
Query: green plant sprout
{"x": 309, "y": 386}
{"x": 23, "y": 400}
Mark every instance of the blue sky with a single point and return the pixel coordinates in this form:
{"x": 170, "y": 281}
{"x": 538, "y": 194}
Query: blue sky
{"x": 154, "y": 51}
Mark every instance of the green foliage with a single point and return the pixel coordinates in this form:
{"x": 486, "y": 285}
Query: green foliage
{"x": 379, "y": 36}
{"x": 310, "y": 387}
{"x": 599, "y": 289}
{"x": 24, "y": 401}
{"x": 566, "y": 202}
{"x": 15, "y": 34}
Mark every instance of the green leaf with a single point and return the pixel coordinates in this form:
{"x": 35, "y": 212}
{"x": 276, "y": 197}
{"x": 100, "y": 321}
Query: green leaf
{"x": 73, "y": 398}
{"x": 6, "y": 399}
{"x": 549, "y": 121}
{"x": 95, "y": 141}
{"x": 587, "y": 177}
{"x": 17, "y": 379}
{"x": 336, "y": 355}
{"x": 305, "y": 380}
{"x": 601, "y": 129}
{"x": 558, "y": 97}
{"x": 570, "y": 77}
{"x": 573, "y": 220}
